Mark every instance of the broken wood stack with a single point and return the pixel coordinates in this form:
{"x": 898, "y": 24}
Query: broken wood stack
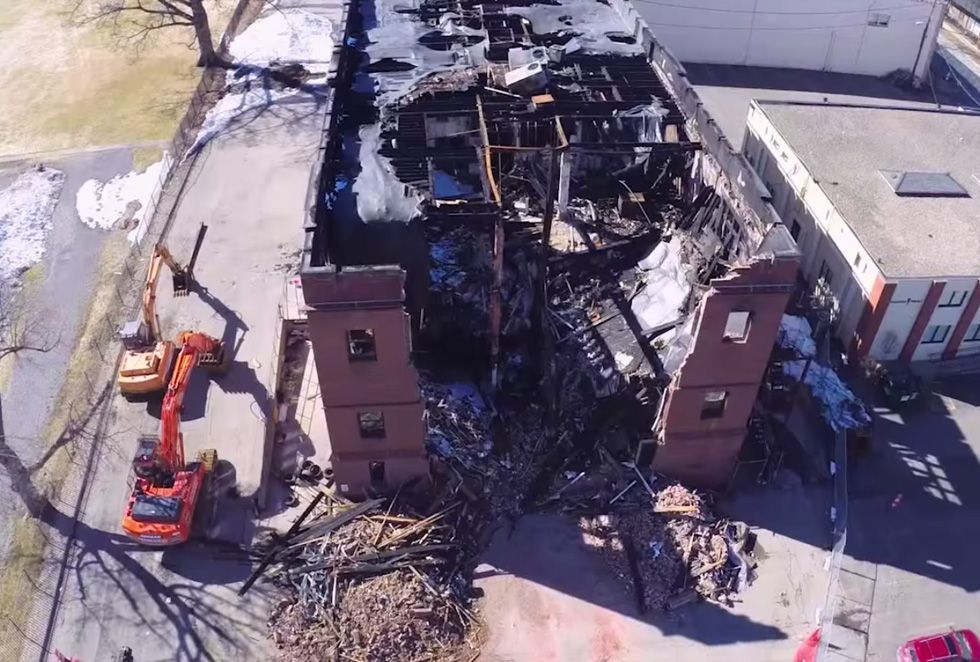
{"x": 373, "y": 581}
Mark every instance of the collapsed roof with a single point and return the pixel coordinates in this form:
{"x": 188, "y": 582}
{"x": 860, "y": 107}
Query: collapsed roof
{"x": 528, "y": 169}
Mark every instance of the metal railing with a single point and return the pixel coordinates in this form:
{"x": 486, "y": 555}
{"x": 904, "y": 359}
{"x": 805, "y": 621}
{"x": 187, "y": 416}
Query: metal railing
{"x": 839, "y": 518}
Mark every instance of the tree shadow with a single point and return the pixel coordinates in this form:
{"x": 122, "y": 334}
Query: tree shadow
{"x": 189, "y": 610}
{"x": 74, "y": 429}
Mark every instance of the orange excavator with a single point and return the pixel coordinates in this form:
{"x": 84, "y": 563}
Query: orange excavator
{"x": 148, "y": 357}
{"x": 165, "y": 496}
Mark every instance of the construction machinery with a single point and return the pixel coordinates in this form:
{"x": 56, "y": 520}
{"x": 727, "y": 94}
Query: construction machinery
{"x": 146, "y": 362}
{"x": 165, "y": 496}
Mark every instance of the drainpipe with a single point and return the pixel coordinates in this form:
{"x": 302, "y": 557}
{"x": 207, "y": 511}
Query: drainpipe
{"x": 928, "y": 42}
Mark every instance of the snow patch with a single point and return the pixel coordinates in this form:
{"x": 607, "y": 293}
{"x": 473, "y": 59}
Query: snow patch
{"x": 26, "y": 210}
{"x": 280, "y": 36}
{"x": 287, "y": 35}
{"x": 102, "y": 205}
{"x": 232, "y": 106}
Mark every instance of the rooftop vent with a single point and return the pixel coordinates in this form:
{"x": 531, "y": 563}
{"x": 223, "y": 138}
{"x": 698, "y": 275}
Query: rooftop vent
{"x": 924, "y": 184}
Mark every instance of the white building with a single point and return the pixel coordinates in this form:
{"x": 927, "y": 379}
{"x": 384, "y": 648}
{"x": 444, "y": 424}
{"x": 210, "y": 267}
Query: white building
{"x": 885, "y": 206}
{"x": 872, "y": 37}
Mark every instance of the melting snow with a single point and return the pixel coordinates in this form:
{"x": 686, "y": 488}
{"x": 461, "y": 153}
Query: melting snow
{"x": 231, "y": 107}
{"x": 287, "y": 35}
{"x": 26, "y": 208}
{"x": 101, "y": 205}
{"x": 282, "y": 36}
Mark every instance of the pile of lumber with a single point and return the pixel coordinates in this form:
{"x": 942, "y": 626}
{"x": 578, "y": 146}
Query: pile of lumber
{"x": 378, "y": 580}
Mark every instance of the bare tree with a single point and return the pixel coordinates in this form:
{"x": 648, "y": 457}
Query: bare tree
{"x": 147, "y": 16}
{"x": 17, "y": 336}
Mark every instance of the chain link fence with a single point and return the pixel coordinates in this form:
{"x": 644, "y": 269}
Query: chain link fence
{"x": 83, "y": 415}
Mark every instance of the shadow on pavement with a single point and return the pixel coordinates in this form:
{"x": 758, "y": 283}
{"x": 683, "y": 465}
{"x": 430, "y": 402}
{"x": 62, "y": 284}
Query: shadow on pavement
{"x": 540, "y": 575}
{"x": 915, "y": 501}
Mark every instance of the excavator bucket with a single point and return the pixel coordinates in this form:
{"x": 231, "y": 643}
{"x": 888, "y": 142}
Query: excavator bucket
{"x": 182, "y": 283}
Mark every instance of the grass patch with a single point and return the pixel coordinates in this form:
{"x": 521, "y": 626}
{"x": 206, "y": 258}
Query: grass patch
{"x": 83, "y": 85}
{"x": 144, "y": 157}
{"x": 33, "y": 275}
{"x": 18, "y": 574}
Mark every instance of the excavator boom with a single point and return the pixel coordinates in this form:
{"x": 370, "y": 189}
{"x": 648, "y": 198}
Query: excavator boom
{"x": 147, "y": 360}
{"x": 165, "y": 494}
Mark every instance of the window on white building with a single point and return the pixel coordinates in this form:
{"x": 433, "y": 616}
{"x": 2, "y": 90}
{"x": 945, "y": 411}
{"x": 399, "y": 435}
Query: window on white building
{"x": 972, "y": 333}
{"x": 935, "y": 333}
{"x": 879, "y": 20}
{"x": 857, "y": 260}
{"x": 953, "y": 300}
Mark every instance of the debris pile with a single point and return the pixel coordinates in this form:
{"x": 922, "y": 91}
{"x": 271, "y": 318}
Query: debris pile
{"x": 461, "y": 430}
{"x": 457, "y": 422}
{"x": 673, "y": 550}
{"x": 373, "y": 581}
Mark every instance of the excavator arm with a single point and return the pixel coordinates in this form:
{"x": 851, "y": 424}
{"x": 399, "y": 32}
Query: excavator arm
{"x": 167, "y": 456}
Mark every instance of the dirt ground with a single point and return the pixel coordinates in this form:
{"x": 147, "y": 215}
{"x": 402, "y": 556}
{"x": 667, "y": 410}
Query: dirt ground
{"x": 68, "y": 85}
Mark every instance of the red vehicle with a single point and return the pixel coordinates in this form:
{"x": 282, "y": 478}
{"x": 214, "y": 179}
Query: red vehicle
{"x": 952, "y": 645}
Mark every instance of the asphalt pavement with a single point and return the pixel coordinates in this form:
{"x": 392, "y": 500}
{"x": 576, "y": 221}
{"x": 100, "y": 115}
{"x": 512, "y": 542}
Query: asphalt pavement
{"x": 58, "y": 301}
{"x": 547, "y": 596}
{"x": 914, "y": 510}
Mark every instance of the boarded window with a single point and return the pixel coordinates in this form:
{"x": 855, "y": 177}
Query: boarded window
{"x": 372, "y": 424}
{"x": 714, "y": 404}
{"x": 360, "y": 345}
{"x": 737, "y": 326}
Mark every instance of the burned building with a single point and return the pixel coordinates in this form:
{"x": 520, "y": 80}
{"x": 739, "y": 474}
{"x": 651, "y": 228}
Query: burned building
{"x": 511, "y": 198}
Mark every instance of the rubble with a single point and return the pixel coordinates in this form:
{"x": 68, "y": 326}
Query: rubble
{"x": 672, "y": 550}
{"x": 374, "y": 581}
{"x": 460, "y": 429}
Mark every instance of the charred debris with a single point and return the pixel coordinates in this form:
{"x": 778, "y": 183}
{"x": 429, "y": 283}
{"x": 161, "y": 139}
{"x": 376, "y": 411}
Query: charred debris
{"x": 525, "y": 166}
